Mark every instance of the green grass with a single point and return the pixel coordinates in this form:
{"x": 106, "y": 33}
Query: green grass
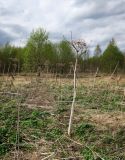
{"x": 100, "y": 98}
{"x": 37, "y": 124}
{"x": 33, "y": 124}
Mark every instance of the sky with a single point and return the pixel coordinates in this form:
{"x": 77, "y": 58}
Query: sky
{"x": 95, "y": 21}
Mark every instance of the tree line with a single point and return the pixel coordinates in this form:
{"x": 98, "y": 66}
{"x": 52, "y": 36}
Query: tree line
{"x": 40, "y": 54}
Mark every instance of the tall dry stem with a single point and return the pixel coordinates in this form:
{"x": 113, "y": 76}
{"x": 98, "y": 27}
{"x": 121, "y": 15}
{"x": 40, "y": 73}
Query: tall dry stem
{"x": 80, "y": 49}
{"x": 74, "y": 97}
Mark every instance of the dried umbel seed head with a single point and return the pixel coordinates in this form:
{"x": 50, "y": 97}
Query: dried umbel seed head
{"x": 79, "y": 45}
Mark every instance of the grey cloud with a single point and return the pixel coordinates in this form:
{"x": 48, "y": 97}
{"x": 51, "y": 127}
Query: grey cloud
{"x": 9, "y": 11}
{"x": 100, "y": 10}
{"x": 97, "y": 21}
{"x": 5, "y": 37}
{"x": 13, "y": 32}
{"x": 78, "y": 3}
{"x": 18, "y": 29}
{"x": 55, "y": 36}
{"x": 99, "y": 24}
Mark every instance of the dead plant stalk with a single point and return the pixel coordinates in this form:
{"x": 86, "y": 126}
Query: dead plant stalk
{"x": 80, "y": 49}
{"x": 74, "y": 97}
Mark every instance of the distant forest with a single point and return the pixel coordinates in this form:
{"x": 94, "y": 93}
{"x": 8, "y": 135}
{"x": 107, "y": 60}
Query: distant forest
{"x": 40, "y": 53}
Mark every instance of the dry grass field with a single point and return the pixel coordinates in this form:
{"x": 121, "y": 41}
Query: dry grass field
{"x": 34, "y": 117}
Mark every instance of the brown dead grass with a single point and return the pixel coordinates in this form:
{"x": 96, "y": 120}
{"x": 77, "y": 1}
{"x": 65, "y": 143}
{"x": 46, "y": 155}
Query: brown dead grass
{"x": 102, "y": 120}
{"x": 108, "y": 120}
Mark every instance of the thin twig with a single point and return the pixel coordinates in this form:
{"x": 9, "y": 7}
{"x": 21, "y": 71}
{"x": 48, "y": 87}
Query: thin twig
{"x": 48, "y": 156}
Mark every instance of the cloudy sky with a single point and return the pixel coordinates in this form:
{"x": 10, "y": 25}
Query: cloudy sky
{"x": 96, "y": 21}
